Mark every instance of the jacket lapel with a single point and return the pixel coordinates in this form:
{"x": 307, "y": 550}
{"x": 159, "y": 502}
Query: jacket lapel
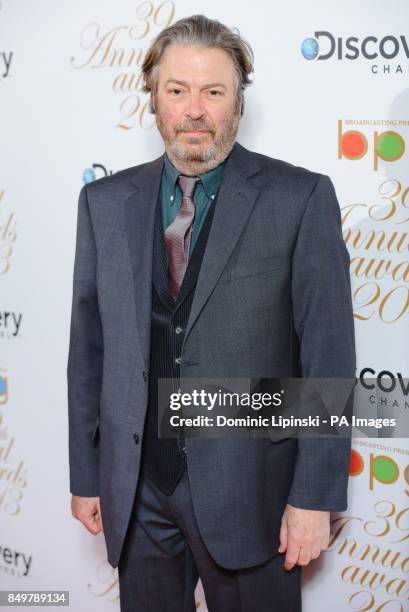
{"x": 235, "y": 202}
{"x": 140, "y": 219}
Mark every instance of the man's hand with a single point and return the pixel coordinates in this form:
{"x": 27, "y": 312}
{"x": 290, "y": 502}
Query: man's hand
{"x": 303, "y": 535}
{"x": 88, "y": 511}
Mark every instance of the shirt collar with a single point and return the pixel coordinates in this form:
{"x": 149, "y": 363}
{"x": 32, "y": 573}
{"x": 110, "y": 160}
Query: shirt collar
{"x": 210, "y": 180}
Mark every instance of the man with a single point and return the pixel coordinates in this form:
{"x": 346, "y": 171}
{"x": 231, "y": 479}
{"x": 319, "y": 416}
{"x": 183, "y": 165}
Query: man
{"x": 209, "y": 262}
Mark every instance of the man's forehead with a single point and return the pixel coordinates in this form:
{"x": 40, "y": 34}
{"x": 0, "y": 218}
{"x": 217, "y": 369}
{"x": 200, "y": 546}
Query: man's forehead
{"x": 198, "y": 61}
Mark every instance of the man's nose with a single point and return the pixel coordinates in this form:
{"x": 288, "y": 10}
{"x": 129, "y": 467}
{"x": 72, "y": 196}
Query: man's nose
{"x": 195, "y": 108}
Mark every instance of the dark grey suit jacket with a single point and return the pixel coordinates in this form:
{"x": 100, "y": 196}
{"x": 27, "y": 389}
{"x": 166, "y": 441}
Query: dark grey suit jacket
{"x": 272, "y": 299}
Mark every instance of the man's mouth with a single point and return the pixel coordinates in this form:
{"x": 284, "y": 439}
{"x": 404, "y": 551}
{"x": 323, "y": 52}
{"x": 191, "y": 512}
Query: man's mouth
{"x": 195, "y": 131}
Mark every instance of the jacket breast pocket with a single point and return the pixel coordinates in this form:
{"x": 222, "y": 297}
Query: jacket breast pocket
{"x": 252, "y": 268}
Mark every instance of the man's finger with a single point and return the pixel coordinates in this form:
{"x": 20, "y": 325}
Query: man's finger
{"x": 100, "y": 516}
{"x": 305, "y": 554}
{"x": 90, "y": 520}
{"x": 92, "y": 523}
{"x": 316, "y": 551}
{"x": 283, "y": 538}
{"x": 291, "y": 557}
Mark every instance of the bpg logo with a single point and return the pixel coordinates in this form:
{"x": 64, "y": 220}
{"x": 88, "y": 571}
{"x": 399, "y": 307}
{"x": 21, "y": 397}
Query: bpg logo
{"x": 381, "y": 469}
{"x": 388, "y": 146}
{"x": 370, "y": 47}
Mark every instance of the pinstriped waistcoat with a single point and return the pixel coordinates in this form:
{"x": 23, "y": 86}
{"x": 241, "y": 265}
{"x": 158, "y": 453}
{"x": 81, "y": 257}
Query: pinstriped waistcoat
{"x": 163, "y": 460}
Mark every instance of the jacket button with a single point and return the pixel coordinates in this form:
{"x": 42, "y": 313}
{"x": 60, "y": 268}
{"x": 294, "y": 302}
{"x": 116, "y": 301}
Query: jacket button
{"x": 178, "y": 330}
{"x": 178, "y": 360}
{"x": 136, "y": 438}
{"x": 145, "y": 375}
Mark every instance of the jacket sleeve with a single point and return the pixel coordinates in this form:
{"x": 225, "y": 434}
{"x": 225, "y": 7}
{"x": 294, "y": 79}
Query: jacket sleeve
{"x": 85, "y": 360}
{"x": 323, "y": 321}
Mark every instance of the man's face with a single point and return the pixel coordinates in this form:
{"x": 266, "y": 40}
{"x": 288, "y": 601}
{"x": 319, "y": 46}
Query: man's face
{"x": 195, "y": 104}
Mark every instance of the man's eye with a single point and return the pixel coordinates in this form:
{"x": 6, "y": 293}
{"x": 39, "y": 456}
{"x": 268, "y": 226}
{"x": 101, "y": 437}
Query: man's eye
{"x": 176, "y": 91}
{"x": 215, "y": 92}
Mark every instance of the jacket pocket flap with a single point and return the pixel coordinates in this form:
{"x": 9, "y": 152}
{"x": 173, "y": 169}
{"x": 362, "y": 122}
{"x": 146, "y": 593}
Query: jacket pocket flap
{"x": 250, "y": 268}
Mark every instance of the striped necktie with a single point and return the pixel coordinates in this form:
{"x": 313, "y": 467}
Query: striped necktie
{"x": 178, "y": 234}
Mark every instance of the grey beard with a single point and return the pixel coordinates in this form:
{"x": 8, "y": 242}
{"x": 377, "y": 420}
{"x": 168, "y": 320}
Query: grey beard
{"x": 195, "y": 162}
{"x": 200, "y": 156}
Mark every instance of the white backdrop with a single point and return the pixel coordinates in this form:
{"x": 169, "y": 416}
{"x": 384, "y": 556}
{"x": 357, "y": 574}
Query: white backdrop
{"x": 70, "y": 99}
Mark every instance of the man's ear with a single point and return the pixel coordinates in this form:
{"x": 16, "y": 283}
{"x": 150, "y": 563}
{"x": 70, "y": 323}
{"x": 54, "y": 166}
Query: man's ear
{"x": 153, "y": 105}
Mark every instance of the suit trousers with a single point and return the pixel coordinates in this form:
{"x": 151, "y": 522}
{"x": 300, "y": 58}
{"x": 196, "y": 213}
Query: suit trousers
{"x": 164, "y": 555}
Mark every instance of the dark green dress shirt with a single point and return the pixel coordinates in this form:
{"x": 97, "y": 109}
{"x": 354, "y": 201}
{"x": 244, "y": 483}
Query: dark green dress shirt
{"x": 205, "y": 193}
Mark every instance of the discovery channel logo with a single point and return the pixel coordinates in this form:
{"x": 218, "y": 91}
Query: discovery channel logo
{"x": 4, "y": 394}
{"x": 325, "y": 45}
{"x": 95, "y": 172}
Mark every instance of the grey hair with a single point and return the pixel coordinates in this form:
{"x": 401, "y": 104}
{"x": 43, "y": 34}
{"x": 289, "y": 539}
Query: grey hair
{"x": 199, "y": 30}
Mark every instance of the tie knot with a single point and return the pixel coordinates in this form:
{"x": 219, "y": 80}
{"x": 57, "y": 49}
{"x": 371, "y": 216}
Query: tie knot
{"x": 187, "y": 184}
